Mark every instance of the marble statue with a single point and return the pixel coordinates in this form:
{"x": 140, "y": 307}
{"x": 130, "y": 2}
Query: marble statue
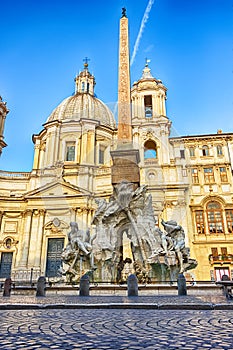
{"x": 77, "y": 254}
{"x": 124, "y": 239}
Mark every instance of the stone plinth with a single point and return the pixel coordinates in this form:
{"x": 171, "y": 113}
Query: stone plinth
{"x": 125, "y": 166}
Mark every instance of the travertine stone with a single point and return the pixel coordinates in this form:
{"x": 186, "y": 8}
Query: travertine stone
{"x": 7, "y": 287}
{"x": 125, "y": 166}
{"x": 132, "y": 286}
{"x": 181, "y": 284}
{"x": 41, "y": 285}
{"x": 84, "y": 286}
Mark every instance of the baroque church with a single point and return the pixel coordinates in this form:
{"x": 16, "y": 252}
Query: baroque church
{"x": 188, "y": 177}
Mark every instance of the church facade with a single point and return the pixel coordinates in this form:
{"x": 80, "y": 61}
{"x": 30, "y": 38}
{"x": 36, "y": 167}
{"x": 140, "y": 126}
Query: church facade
{"x": 189, "y": 178}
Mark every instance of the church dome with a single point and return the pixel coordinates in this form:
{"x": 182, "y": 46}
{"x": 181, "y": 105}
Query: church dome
{"x": 83, "y": 104}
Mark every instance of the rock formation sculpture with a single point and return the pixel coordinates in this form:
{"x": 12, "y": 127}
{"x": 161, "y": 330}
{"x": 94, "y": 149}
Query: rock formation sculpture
{"x": 149, "y": 252}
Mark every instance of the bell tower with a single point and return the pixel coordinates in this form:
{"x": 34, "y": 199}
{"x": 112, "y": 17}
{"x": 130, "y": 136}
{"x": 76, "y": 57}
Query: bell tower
{"x": 125, "y": 157}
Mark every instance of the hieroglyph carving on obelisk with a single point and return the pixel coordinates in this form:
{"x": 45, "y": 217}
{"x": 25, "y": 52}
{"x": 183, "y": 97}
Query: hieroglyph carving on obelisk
{"x": 124, "y": 109}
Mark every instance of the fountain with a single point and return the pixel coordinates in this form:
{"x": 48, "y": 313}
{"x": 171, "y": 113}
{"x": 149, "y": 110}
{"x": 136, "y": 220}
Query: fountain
{"x": 124, "y": 239}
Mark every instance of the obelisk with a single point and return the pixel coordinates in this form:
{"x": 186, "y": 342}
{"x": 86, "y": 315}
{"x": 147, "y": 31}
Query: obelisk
{"x": 125, "y": 157}
{"x": 124, "y": 112}
{"x": 3, "y": 113}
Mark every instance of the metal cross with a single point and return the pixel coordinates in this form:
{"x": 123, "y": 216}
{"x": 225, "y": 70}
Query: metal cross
{"x": 85, "y": 60}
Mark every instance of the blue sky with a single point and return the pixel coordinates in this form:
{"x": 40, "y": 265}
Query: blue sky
{"x": 43, "y": 43}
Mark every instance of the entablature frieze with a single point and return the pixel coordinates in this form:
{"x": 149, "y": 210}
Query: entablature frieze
{"x": 210, "y": 198}
{"x": 210, "y": 239}
{"x": 214, "y": 165}
{"x": 197, "y": 140}
{"x": 175, "y": 203}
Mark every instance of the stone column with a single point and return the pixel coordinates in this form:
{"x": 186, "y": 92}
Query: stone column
{"x": 84, "y": 148}
{"x": 73, "y": 214}
{"x": 25, "y": 239}
{"x": 154, "y": 109}
{"x": 1, "y": 216}
{"x": 91, "y": 146}
{"x": 36, "y": 154}
{"x": 34, "y": 239}
{"x": 79, "y": 147}
{"x": 39, "y": 241}
{"x": 84, "y": 217}
{"x": 164, "y": 105}
{"x": 49, "y": 155}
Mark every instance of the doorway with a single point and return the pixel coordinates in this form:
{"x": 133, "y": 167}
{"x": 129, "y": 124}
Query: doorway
{"x": 53, "y": 263}
{"x": 6, "y": 263}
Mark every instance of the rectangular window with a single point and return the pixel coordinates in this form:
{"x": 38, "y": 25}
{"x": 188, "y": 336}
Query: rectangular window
{"x": 148, "y": 106}
{"x": 182, "y": 154}
{"x": 229, "y": 217}
{"x": 214, "y": 252}
{"x": 101, "y": 155}
{"x": 224, "y": 252}
{"x": 192, "y": 152}
{"x": 215, "y": 221}
{"x": 223, "y": 174}
{"x": 70, "y": 151}
{"x": 219, "y": 150}
{"x": 208, "y": 175}
{"x": 195, "y": 179}
{"x": 200, "y": 221}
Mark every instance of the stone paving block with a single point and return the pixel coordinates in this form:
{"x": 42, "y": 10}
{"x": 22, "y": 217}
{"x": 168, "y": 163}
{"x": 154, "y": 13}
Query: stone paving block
{"x": 117, "y": 329}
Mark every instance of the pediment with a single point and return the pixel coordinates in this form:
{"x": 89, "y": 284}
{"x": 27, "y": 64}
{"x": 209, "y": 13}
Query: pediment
{"x": 57, "y": 189}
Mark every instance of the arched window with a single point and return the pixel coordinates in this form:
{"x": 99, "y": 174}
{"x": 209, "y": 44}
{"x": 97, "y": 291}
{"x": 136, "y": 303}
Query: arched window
{"x": 205, "y": 151}
{"x": 8, "y": 243}
{"x": 214, "y": 217}
{"x": 211, "y": 218}
{"x": 150, "y": 149}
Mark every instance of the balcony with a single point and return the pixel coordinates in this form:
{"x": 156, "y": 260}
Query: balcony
{"x": 221, "y": 259}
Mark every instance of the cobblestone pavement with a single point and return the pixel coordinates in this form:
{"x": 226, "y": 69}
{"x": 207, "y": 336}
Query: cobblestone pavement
{"x": 116, "y": 329}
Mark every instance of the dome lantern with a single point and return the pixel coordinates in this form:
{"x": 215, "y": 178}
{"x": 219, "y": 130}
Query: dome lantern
{"x": 84, "y": 103}
{"x": 85, "y": 82}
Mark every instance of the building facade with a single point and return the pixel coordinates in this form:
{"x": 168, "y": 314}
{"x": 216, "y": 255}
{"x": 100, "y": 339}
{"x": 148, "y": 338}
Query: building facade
{"x": 189, "y": 178}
